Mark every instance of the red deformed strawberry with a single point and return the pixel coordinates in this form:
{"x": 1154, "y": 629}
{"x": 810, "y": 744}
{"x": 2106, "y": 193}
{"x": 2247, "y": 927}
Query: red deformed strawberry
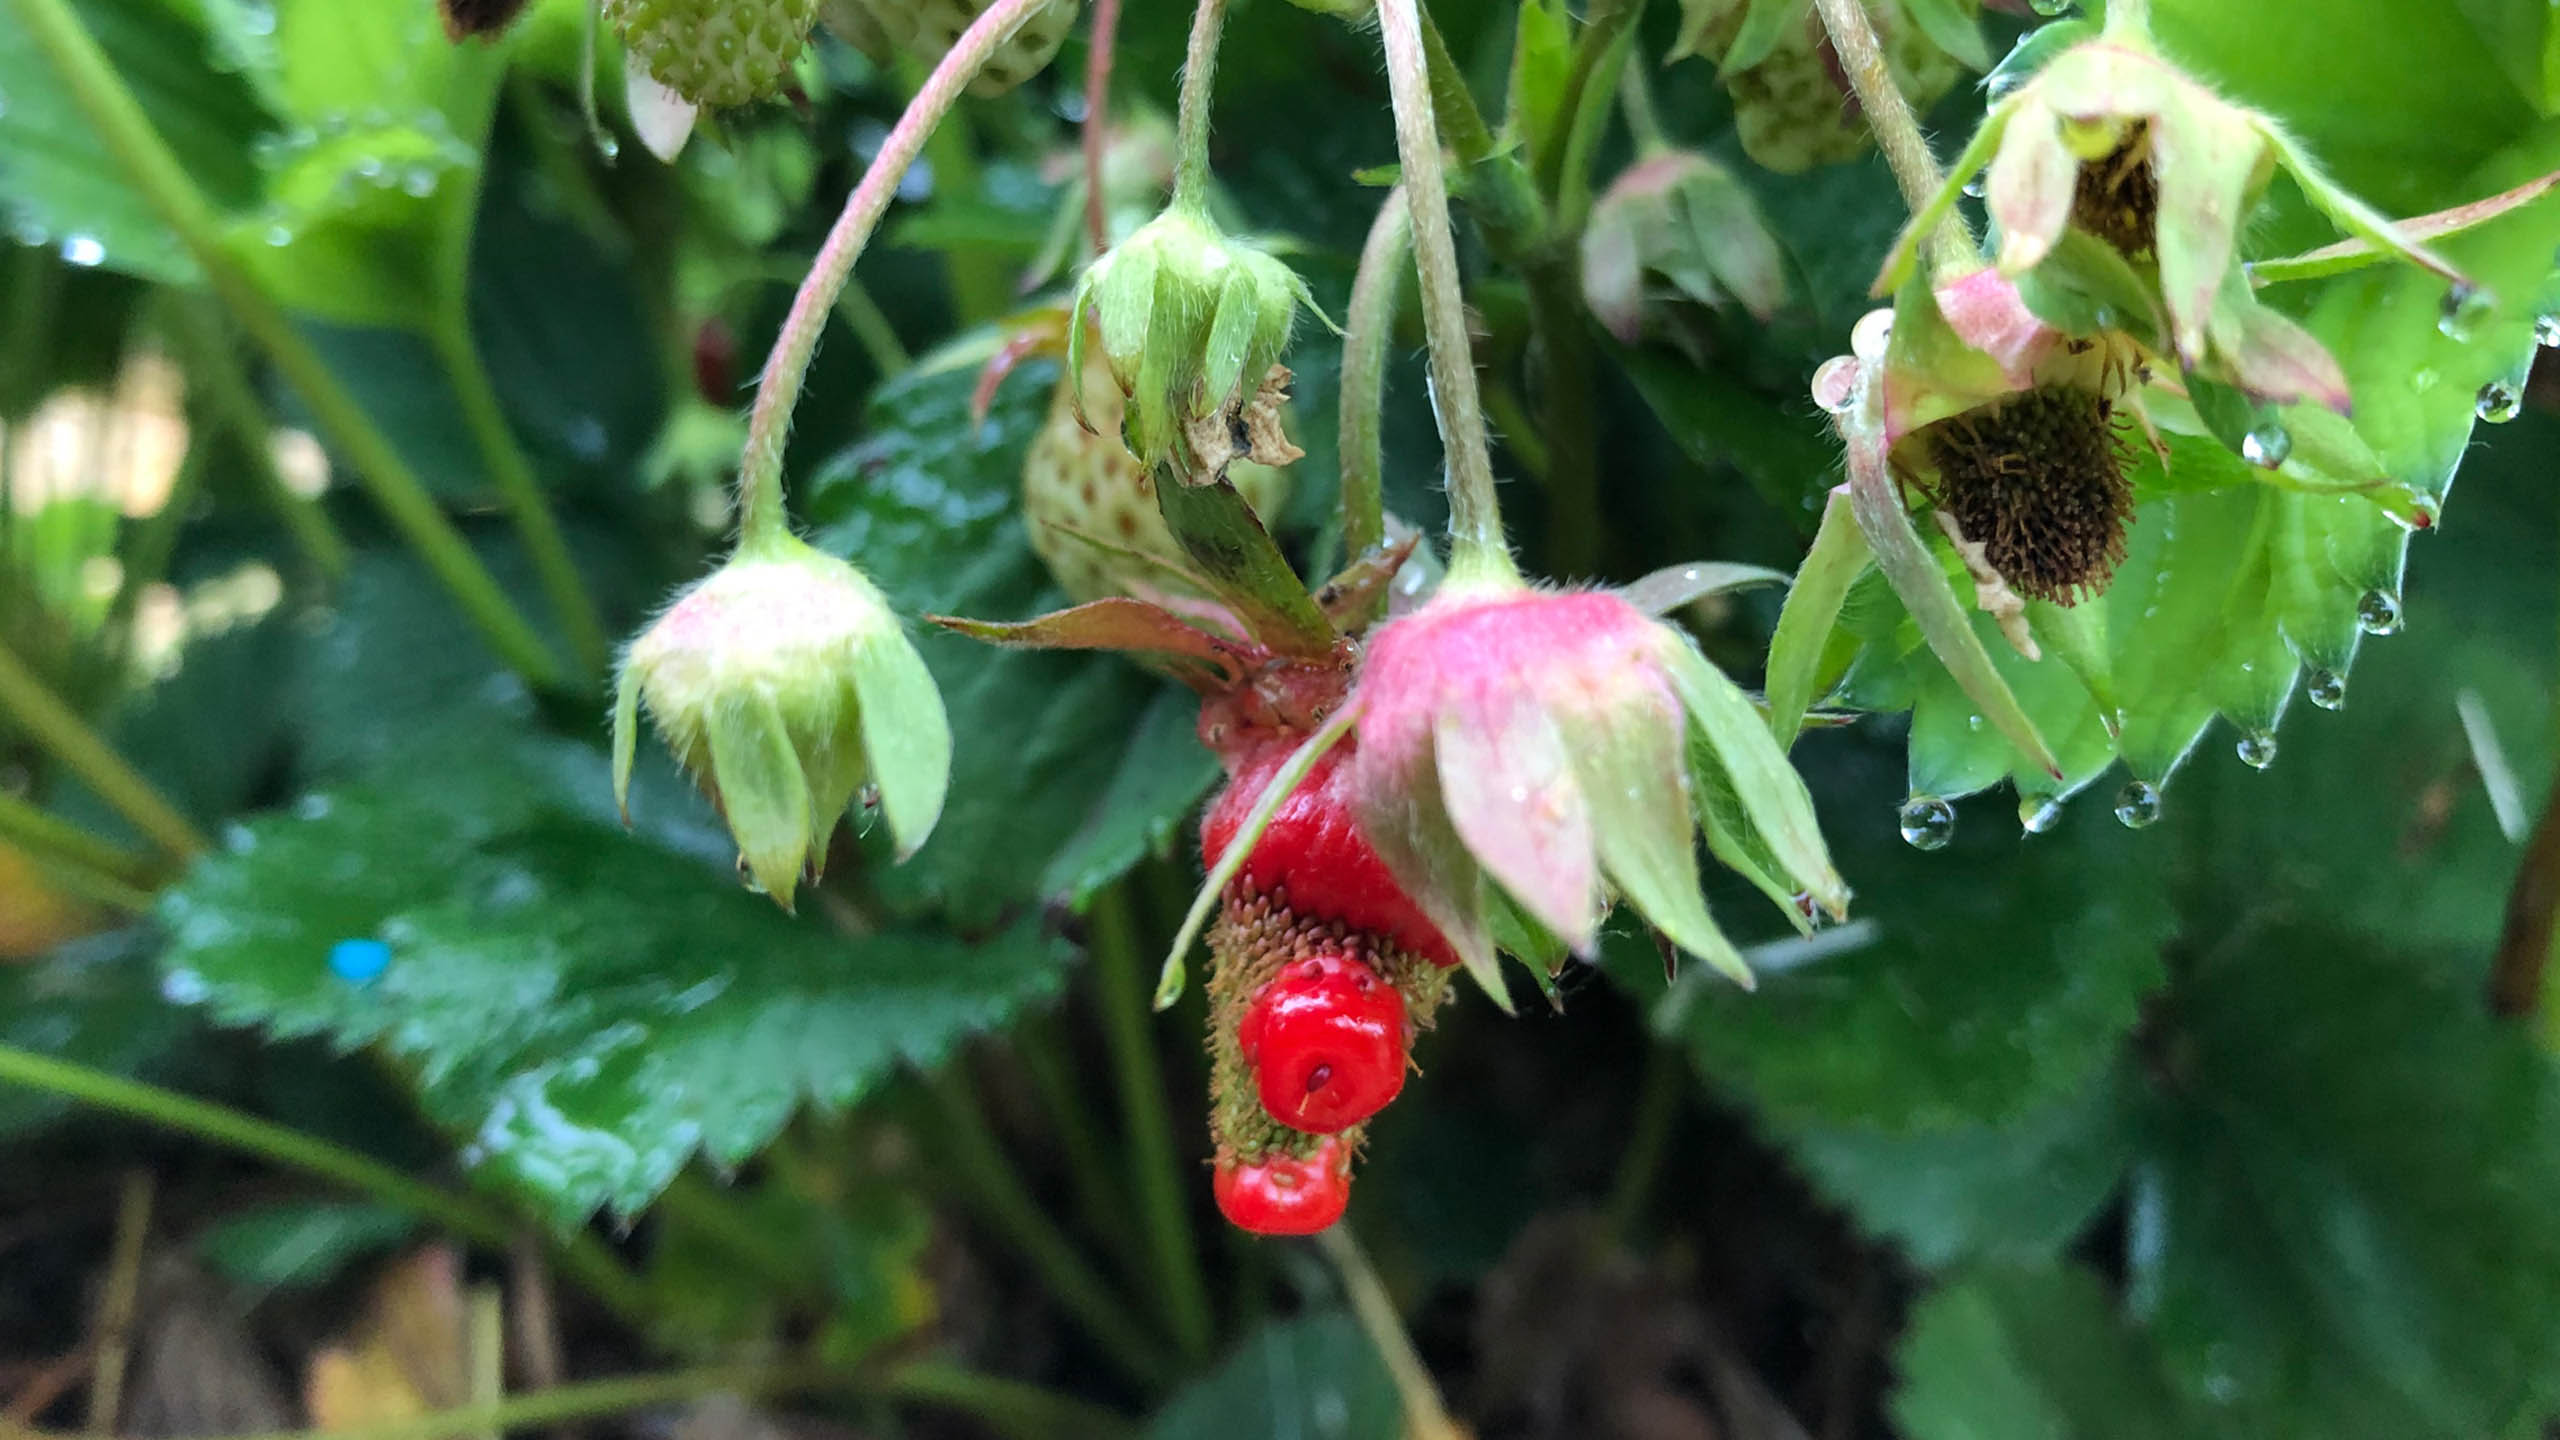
{"x": 1314, "y": 856}
{"x": 1283, "y": 1194}
{"x": 1326, "y": 1040}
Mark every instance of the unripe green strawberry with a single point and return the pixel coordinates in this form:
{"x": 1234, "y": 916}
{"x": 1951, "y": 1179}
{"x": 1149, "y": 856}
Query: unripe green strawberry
{"x": 1791, "y": 104}
{"x": 715, "y": 52}
{"x": 925, "y": 30}
{"x": 1091, "y": 507}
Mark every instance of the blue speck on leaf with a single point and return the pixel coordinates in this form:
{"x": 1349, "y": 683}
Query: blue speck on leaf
{"x": 359, "y": 962}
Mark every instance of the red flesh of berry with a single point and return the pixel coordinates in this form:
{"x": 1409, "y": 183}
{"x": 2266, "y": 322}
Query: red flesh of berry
{"x": 1278, "y": 1195}
{"x": 1315, "y": 853}
{"x": 1326, "y": 1040}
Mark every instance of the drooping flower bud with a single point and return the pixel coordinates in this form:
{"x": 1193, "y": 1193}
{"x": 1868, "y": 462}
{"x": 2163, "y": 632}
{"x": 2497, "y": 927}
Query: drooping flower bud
{"x": 784, "y": 683}
{"x": 1564, "y": 746}
{"x": 2116, "y": 177}
{"x": 1680, "y": 218}
{"x": 1191, "y": 322}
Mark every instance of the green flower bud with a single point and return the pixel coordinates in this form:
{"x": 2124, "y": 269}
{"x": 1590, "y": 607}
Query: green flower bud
{"x": 785, "y": 684}
{"x": 1682, "y": 218}
{"x": 1190, "y": 321}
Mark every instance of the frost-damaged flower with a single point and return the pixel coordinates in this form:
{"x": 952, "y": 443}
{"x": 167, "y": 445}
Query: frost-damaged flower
{"x": 2118, "y": 179}
{"x": 1561, "y": 744}
{"x": 1192, "y": 322}
{"x": 785, "y": 684}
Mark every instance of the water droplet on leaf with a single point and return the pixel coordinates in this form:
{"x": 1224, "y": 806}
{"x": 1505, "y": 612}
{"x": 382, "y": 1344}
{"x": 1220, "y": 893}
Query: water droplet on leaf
{"x": 2257, "y": 750}
{"x": 2378, "y": 613}
{"x": 1928, "y": 823}
{"x": 85, "y": 251}
{"x": 2039, "y": 813}
{"x": 2326, "y": 689}
{"x": 2499, "y": 402}
{"x": 2546, "y": 330}
{"x": 2050, "y": 8}
{"x": 2137, "y": 804}
{"x": 2465, "y": 306}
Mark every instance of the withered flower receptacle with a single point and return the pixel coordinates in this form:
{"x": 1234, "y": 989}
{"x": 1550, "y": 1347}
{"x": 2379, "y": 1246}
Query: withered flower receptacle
{"x": 784, "y": 683}
{"x": 2111, "y": 143}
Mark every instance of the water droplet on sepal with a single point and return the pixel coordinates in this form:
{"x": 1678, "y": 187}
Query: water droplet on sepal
{"x": 2038, "y": 813}
{"x": 2266, "y": 445}
{"x": 2546, "y": 330}
{"x": 2378, "y": 613}
{"x": 2499, "y": 401}
{"x": 2257, "y": 750}
{"x": 2326, "y": 689}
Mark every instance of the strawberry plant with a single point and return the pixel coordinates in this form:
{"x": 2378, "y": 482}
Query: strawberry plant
{"x": 1354, "y": 719}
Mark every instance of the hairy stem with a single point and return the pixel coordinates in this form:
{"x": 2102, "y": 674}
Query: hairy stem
{"x": 1191, "y": 125}
{"x": 1897, "y": 129}
{"x": 1375, "y": 292}
{"x": 1102, "y": 46}
{"x": 164, "y": 184}
{"x": 1644, "y": 122}
{"x": 1475, "y": 514}
{"x": 1159, "y": 1174}
{"x": 1426, "y": 1415}
{"x": 42, "y": 716}
{"x": 760, "y": 469}
{"x": 1000, "y": 1198}
{"x": 213, "y": 365}
{"x": 50, "y": 837}
{"x": 504, "y": 456}
{"x": 1648, "y": 1138}
{"x": 586, "y": 1261}
{"x": 589, "y": 1400}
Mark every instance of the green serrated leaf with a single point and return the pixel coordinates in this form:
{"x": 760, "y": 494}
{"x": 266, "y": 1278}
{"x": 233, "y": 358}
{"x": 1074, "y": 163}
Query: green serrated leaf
{"x": 1161, "y": 780}
{"x": 588, "y": 1011}
{"x": 2024, "y": 1188}
{"x": 58, "y": 184}
{"x": 2032, "y": 1353}
{"x": 2346, "y": 1199}
{"x": 1897, "y": 1023}
{"x": 1316, "y": 1375}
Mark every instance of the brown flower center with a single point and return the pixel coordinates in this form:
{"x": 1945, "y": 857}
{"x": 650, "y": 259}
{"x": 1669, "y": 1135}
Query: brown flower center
{"x": 2038, "y": 481}
{"x": 2117, "y": 198}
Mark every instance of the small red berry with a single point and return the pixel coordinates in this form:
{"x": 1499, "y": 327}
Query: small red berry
{"x": 1326, "y": 1041}
{"x": 1315, "y": 853}
{"x": 1279, "y": 1195}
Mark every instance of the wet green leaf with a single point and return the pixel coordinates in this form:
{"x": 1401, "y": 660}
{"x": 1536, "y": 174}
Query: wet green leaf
{"x": 584, "y": 1011}
{"x": 2032, "y": 1354}
{"x": 300, "y": 1243}
{"x": 97, "y": 1002}
{"x": 1312, "y": 1378}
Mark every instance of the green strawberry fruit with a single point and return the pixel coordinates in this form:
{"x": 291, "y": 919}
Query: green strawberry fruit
{"x": 715, "y": 52}
{"x": 1091, "y": 507}
{"x": 925, "y": 30}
